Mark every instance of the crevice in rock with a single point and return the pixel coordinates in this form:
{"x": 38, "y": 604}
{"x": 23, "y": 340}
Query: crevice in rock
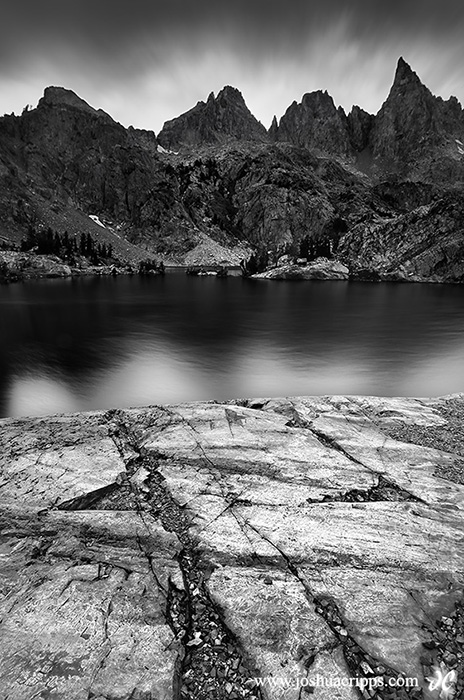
{"x": 247, "y": 403}
{"x": 87, "y": 500}
{"x": 374, "y": 676}
{"x": 291, "y": 567}
{"x": 384, "y": 490}
{"x": 122, "y": 437}
{"x": 325, "y": 440}
{"x": 119, "y": 498}
{"x": 212, "y": 663}
{"x": 361, "y": 665}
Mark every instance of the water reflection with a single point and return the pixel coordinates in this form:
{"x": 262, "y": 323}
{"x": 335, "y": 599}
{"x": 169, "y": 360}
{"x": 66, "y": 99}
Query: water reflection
{"x": 96, "y": 343}
{"x": 40, "y": 395}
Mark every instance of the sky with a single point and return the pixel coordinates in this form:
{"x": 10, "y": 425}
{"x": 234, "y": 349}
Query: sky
{"x": 147, "y": 61}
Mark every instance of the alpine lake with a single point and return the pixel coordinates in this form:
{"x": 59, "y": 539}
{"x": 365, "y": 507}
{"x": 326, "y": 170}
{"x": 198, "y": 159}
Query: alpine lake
{"x": 89, "y": 343}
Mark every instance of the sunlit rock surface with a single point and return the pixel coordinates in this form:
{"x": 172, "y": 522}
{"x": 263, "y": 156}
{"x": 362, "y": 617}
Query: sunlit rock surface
{"x": 187, "y": 551}
{"x": 320, "y": 269}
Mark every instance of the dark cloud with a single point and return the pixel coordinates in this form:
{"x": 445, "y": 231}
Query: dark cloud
{"x": 147, "y": 61}
{"x": 112, "y": 25}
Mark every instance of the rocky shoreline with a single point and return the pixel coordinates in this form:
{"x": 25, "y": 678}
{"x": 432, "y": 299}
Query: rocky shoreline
{"x": 20, "y": 267}
{"x": 324, "y": 269}
{"x": 320, "y": 269}
{"x": 235, "y": 550}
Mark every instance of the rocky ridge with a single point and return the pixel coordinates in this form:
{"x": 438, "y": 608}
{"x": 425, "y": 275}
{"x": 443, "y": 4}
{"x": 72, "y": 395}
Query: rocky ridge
{"x": 415, "y": 135}
{"x": 220, "y": 118}
{"x": 237, "y": 550}
{"x": 215, "y": 182}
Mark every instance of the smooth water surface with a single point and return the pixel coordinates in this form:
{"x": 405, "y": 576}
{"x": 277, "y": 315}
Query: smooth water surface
{"x": 80, "y": 344}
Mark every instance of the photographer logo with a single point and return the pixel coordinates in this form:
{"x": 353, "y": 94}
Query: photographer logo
{"x": 444, "y": 681}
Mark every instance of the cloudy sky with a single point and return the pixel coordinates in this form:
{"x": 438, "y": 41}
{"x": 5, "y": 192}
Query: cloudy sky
{"x": 146, "y": 61}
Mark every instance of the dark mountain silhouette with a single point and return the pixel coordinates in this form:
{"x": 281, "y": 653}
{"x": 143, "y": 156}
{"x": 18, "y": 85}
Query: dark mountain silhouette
{"x": 217, "y": 120}
{"x": 381, "y": 192}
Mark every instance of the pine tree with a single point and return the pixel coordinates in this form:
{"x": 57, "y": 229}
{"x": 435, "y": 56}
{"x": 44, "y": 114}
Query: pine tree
{"x": 304, "y": 247}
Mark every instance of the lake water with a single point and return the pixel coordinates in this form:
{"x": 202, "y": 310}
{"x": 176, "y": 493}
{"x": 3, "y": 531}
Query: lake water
{"x": 90, "y": 343}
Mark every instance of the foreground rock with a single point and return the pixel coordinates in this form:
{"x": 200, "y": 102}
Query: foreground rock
{"x": 186, "y": 551}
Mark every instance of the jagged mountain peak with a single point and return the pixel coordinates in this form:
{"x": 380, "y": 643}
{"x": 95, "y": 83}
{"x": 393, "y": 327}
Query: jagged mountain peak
{"x": 230, "y": 93}
{"x": 273, "y": 130}
{"x": 227, "y": 93}
{"x": 57, "y": 96}
{"x": 314, "y": 123}
{"x": 404, "y": 71}
{"x": 316, "y": 95}
{"x": 218, "y": 119}
{"x": 228, "y": 96}
{"x": 318, "y": 100}
{"x": 414, "y": 131}
{"x": 62, "y": 97}
{"x": 405, "y": 78}
{"x": 403, "y": 67}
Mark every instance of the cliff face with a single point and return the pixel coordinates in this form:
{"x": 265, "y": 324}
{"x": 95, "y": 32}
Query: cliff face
{"x": 427, "y": 243}
{"x": 214, "y": 179}
{"x": 359, "y": 124}
{"x": 315, "y": 124}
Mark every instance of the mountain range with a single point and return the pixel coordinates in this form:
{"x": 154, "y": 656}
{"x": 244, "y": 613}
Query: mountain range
{"x": 385, "y": 190}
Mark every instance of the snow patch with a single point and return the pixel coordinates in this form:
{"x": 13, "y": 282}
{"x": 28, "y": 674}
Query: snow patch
{"x": 95, "y": 218}
{"x": 160, "y": 149}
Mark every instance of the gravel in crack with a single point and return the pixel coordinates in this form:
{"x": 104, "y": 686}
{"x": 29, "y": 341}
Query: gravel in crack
{"x": 375, "y": 678}
{"x": 121, "y": 498}
{"x": 212, "y": 665}
{"x": 445, "y": 648}
{"x": 383, "y": 491}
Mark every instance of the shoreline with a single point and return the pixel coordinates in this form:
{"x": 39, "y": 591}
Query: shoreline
{"x": 22, "y": 267}
{"x": 273, "y": 275}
